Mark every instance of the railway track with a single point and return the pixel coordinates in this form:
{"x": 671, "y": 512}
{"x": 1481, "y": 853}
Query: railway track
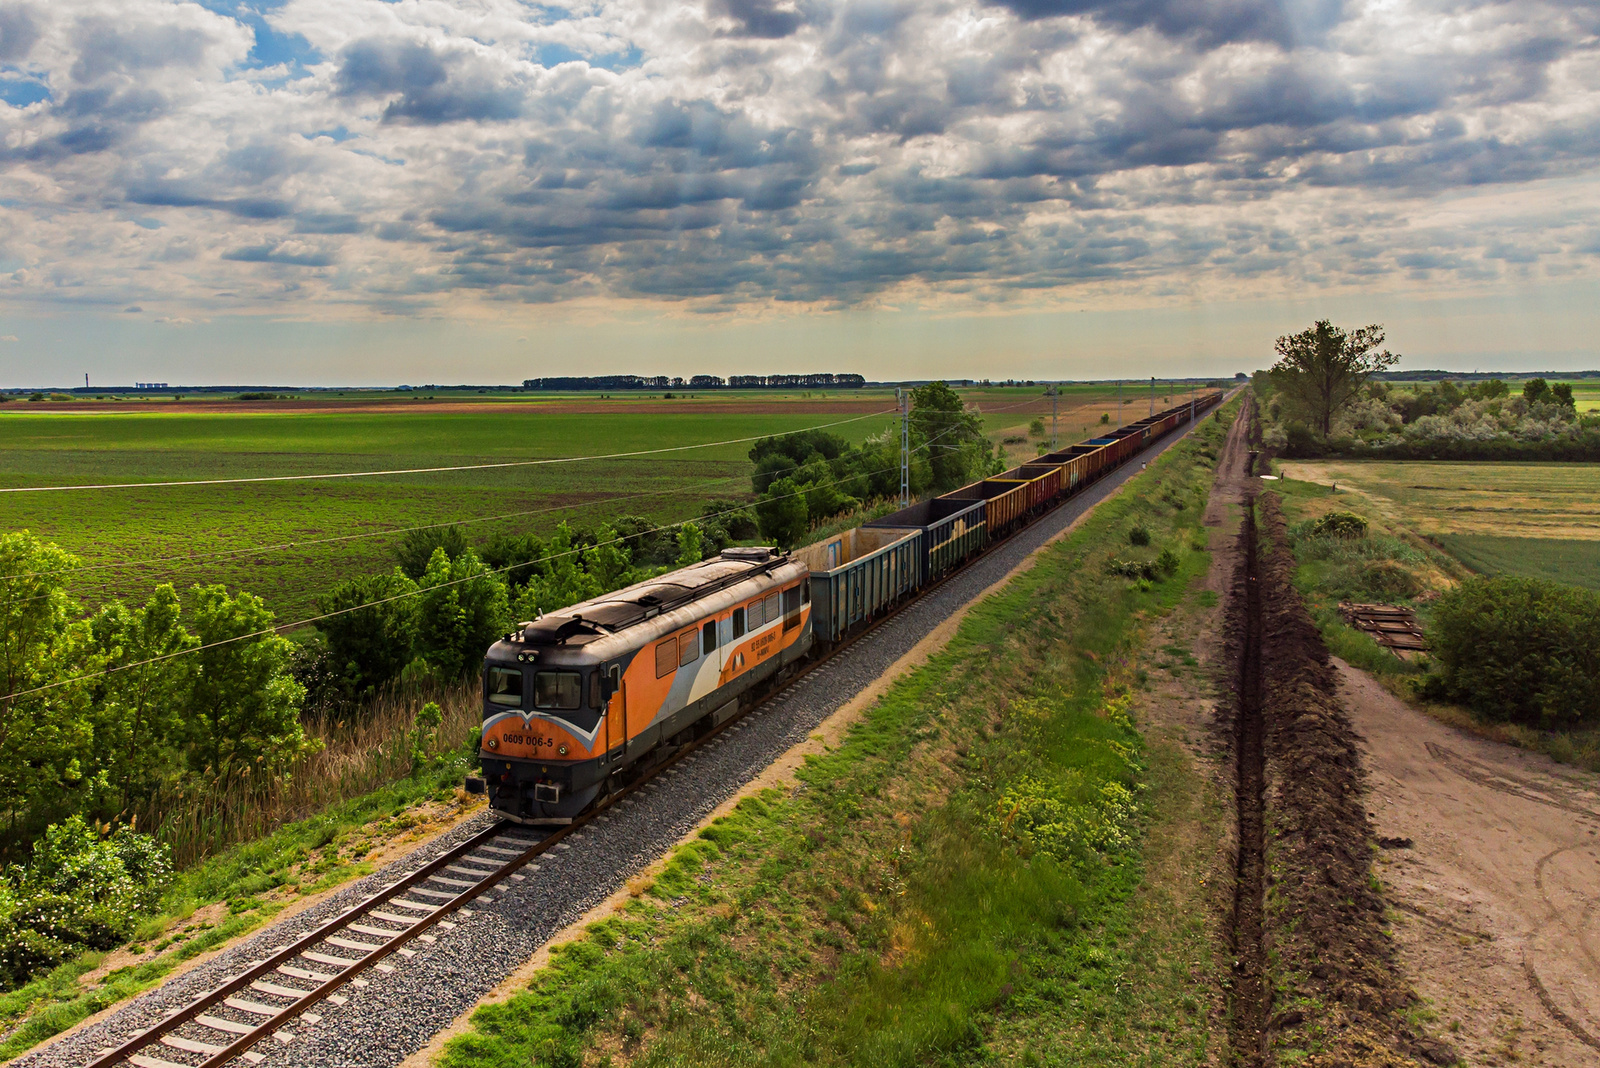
{"x": 274, "y": 996}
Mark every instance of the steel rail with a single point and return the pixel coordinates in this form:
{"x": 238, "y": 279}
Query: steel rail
{"x": 242, "y": 1042}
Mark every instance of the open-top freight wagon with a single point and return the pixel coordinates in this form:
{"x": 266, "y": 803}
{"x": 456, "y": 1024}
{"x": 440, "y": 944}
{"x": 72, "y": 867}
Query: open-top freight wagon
{"x": 580, "y": 702}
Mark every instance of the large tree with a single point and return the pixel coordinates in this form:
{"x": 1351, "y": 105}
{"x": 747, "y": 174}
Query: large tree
{"x": 1323, "y": 368}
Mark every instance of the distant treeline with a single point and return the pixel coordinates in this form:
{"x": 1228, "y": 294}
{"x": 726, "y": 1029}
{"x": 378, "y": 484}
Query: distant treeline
{"x": 1482, "y": 376}
{"x": 626, "y": 382}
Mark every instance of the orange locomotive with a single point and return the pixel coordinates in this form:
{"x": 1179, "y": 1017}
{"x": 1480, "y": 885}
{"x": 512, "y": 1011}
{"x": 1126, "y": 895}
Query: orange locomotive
{"x": 582, "y": 699}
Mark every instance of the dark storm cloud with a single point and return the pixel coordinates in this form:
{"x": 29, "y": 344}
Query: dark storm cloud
{"x": 1209, "y": 22}
{"x": 760, "y": 18}
{"x": 429, "y": 87}
{"x": 275, "y": 254}
{"x": 19, "y": 28}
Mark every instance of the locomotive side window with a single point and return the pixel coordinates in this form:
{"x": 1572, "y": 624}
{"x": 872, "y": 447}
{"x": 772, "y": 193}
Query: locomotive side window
{"x": 557, "y": 689}
{"x": 738, "y": 623}
{"x": 708, "y": 638}
{"x": 771, "y": 612}
{"x": 666, "y": 658}
{"x": 755, "y": 615}
{"x": 805, "y": 593}
{"x": 688, "y": 648}
{"x": 791, "y": 608}
{"x": 505, "y": 687}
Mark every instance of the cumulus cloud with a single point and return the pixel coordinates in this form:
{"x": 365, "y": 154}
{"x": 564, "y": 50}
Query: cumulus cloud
{"x": 339, "y": 154}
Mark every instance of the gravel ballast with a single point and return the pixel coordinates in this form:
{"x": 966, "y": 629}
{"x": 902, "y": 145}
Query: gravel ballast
{"x": 398, "y": 1012}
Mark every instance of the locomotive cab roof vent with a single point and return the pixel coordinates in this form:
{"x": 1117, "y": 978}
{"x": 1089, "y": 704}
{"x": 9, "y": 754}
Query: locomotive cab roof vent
{"x": 751, "y": 553}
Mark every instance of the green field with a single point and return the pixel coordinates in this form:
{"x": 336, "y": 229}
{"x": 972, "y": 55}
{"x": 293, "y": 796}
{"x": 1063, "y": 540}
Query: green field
{"x": 126, "y": 526}
{"x": 288, "y": 541}
{"x": 1532, "y": 519}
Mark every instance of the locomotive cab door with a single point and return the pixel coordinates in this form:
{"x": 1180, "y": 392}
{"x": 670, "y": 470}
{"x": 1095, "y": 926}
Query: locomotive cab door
{"x": 616, "y": 711}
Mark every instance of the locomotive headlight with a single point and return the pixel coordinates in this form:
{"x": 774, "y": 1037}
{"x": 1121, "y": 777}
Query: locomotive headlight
{"x": 493, "y": 743}
{"x": 562, "y": 750}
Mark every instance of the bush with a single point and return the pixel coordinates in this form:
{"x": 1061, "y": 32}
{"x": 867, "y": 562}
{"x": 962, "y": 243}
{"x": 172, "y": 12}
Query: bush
{"x": 1523, "y": 650}
{"x": 1036, "y": 428}
{"x": 1339, "y": 525}
{"x": 1138, "y": 536}
{"x": 80, "y": 891}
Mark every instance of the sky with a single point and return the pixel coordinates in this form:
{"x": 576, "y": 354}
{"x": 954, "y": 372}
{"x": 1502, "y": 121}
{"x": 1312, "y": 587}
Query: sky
{"x": 364, "y": 192}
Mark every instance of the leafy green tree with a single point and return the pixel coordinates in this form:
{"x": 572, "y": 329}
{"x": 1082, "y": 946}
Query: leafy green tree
{"x": 782, "y": 514}
{"x": 1324, "y": 368}
{"x": 1535, "y": 390}
{"x": 951, "y": 436}
{"x": 43, "y": 735}
{"x": 608, "y": 560}
{"x": 370, "y": 646}
{"x": 1036, "y": 428}
{"x": 689, "y": 545}
{"x": 416, "y": 549}
{"x": 461, "y": 612}
{"x": 563, "y": 582}
{"x": 1561, "y": 393}
{"x": 140, "y": 711}
{"x": 245, "y": 715}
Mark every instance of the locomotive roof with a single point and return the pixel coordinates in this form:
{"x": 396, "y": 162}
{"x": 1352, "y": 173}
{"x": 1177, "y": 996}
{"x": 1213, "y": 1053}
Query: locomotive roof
{"x": 646, "y": 600}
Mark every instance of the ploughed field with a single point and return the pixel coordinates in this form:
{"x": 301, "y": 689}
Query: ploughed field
{"x": 137, "y": 538}
{"x": 1539, "y": 520}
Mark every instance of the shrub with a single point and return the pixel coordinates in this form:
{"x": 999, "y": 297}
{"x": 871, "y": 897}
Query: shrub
{"x": 79, "y": 891}
{"x": 1339, "y": 525}
{"x": 1138, "y": 536}
{"x": 1036, "y": 428}
{"x": 1519, "y": 649}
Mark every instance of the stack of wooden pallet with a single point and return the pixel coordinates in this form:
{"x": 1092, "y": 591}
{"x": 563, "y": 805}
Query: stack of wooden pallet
{"x": 1391, "y": 626}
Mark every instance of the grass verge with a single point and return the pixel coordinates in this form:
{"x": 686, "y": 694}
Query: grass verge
{"x": 965, "y": 879}
{"x": 236, "y": 892}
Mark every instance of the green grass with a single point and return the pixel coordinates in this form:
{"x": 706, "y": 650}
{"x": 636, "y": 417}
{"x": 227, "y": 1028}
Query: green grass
{"x": 887, "y": 911}
{"x": 1560, "y": 560}
{"x": 251, "y": 883}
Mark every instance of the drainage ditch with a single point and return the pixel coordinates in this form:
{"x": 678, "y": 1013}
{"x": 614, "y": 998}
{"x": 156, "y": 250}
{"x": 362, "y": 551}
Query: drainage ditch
{"x": 1251, "y": 997}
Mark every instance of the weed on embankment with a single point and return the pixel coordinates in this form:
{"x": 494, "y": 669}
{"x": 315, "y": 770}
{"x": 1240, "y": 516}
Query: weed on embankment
{"x": 962, "y": 880}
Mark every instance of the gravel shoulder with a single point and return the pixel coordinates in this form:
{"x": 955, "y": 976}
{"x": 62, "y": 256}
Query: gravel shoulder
{"x": 397, "y": 1013}
{"x": 1496, "y": 898}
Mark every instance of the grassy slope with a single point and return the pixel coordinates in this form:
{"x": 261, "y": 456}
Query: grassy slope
{"x": 887, "y": 911}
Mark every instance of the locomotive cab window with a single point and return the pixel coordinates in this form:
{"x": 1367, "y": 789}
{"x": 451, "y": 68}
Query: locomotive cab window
{"x": 505, "y": 686}
{"x": 557, "y": 690}
{"x": 738, "y": 623}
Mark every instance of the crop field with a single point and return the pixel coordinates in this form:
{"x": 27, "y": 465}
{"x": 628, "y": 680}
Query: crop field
{"x": 1538, "y": 520}
{"x": 289, "y": 541}
{"x": 1587, "y": 396}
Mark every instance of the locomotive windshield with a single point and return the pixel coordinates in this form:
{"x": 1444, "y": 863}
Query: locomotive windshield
{"x": 557, "y": 690}
{"x": 505, "y": 686}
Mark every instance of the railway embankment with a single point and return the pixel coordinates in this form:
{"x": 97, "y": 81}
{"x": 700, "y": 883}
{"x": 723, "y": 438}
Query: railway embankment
{"x": 983, "y": 866}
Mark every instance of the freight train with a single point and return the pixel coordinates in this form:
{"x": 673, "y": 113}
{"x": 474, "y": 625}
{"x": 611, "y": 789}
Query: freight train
{"x": 581, "y": 702}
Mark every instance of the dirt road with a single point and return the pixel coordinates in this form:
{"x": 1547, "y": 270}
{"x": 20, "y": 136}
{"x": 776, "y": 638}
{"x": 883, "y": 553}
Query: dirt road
{"x": 1497, "y": 898}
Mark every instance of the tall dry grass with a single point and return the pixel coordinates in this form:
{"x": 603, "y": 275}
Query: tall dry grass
{"x": 359, "y": 752}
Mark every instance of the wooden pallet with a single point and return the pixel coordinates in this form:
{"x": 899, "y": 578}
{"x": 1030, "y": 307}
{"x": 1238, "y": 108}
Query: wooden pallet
{"x": 1391, "y": 626}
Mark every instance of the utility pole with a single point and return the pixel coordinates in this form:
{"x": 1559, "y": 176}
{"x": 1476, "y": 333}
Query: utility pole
{"x": 1152, "y": 394}
{"x": 1119, "y": 404}
{"x": 1054, "y": 392}
{"x": 903, "y": 399}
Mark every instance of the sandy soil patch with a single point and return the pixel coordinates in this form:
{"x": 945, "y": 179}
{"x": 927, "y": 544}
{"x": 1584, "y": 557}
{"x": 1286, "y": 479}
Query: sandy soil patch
{"x": 1497, "y": 895}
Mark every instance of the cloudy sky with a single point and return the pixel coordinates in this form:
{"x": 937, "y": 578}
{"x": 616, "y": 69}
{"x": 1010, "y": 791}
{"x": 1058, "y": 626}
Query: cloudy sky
{"x": 447, "y": 190}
